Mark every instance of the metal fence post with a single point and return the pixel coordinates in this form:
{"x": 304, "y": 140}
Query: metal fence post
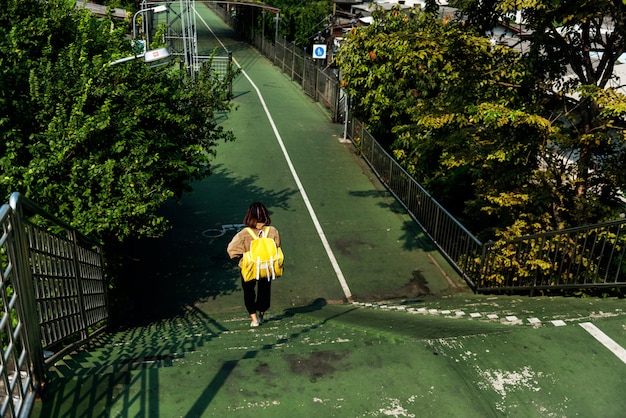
{"x": 24, "y": 283}
{"x": 540, "y": 257}
{"x": 293, "y": 60}
{"x": 303, "y": 66}
{"x": 276, "y": 34}
{"x": 263, "y": 31}
{"x": 229, "y": 72}
{"x": 282, "y": 68}
{"x": 317, "y": 77}
{"x": 79, "y": 283}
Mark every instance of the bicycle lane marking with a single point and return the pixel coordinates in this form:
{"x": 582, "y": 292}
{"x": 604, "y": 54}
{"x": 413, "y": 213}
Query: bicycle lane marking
{"x": 605, "y": 340}
{"x": 318, "y": 226}
{"x": 216, "y": 233}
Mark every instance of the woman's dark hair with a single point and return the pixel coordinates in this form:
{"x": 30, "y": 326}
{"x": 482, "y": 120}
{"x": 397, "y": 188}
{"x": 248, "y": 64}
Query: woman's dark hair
{"x": 257, "y": 213}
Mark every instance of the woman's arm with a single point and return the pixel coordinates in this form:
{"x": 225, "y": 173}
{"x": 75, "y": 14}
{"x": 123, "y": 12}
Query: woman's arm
{"x": 236, "y": 246}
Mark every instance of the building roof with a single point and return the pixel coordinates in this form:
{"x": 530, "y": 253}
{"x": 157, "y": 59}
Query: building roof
{"x": 100, "y": 10}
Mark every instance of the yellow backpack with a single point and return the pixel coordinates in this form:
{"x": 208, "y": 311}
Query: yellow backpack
{"x": 264, "y": 259}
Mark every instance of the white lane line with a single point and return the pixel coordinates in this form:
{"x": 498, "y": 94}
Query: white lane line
{"x": 606, "y": 341}
{"x": 318, "y": 226}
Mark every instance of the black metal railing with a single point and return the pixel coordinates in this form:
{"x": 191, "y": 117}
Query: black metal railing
{"x": 589, "y": 256}
{"x": 53, "y": 298}
{"x": 454, "y": 241}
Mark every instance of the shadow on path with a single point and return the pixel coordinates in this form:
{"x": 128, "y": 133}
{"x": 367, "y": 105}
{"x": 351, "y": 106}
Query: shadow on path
{"x": 167, "y": 275}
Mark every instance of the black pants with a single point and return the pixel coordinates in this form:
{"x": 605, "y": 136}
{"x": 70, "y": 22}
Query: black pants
{"x": 257, "y": 302}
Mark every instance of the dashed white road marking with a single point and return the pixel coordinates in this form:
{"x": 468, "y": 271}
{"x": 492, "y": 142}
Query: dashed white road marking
{"x": 605, "y": 340}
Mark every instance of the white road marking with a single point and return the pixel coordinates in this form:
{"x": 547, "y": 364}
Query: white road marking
{"x": 605, "y": 340}
{"x": 318, "y": 226}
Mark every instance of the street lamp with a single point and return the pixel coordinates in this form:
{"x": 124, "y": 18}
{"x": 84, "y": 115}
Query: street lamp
{"x": 156, "y": 9}
{"x": 148, "y": 57}
{"x": 156, "y": 54}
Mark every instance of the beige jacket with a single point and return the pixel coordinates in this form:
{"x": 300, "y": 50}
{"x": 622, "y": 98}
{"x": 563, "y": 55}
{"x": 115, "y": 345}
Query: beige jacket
{"x": 241, "y": 241}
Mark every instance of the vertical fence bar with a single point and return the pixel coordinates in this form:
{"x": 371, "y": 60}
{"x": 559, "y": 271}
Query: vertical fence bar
{"x": 621, "y": 258}
{"x": 24, "y": 282}
{"x": 82, "y": 314}
{"x": 52, "y": 283}
{"x": 19, "y": 381}
{"x": 303, "y": 67}
{"x": 292, "y": 52}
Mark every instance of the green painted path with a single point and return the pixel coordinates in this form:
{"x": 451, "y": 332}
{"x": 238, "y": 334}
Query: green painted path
{"x": 412, "y": 341}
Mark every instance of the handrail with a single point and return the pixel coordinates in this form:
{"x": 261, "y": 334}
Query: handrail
{"x": 575, "y": 229}
{"x": 19, "y": 203}
{"x": 53, "y": 295}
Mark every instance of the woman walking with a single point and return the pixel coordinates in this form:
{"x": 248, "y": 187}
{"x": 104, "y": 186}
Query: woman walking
{"x": 256, "y": 301}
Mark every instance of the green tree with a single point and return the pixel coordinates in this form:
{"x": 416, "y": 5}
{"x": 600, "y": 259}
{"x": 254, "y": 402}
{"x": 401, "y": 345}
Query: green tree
{"x": 300, "y": 20}
{"x": 450, "y": 104}
{"x": 572, "y": 53}
{"x": 100, "y": 146}
{"x": 474, "y": 123}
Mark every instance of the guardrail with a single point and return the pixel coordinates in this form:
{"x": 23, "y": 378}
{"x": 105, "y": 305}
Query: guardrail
{"x": 53, "y": 298}
{"x": 590, "y": 256}
{"x": 454, "y": 241}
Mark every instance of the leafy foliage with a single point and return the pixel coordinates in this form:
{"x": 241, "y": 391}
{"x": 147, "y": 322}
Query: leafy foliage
{"x": 100, "y": 146}
{"x": 481, "y": 126}
{"x": 458, "y": 117}
{"x": 300, "y": 20}
{"x": 124, "y": 4}
{"x": 571, "y": 55}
